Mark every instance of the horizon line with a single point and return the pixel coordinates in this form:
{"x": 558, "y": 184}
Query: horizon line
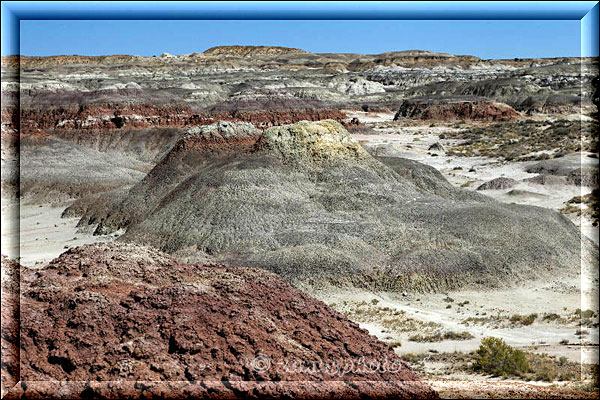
{"x": 294, "y": 48}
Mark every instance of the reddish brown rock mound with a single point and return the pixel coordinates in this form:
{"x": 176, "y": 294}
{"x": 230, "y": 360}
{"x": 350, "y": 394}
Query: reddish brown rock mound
{"x": 10, "y": 326}
{"x": 108, "y": 117}
{"x": 156, "y": 327}
{"x": 456, "y": 108}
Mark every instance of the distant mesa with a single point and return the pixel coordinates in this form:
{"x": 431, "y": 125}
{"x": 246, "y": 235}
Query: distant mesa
{"x": 455, "y": 108}
{"x": 245, "y": 51}
{"x": 417, "y": 53}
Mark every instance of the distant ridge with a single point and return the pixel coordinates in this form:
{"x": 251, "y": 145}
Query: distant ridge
{"x": 245, "y": 51}
{"x": 416, "y": 53}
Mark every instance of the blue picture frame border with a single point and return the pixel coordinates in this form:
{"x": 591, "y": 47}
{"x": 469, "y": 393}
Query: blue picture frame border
{"x": 585, "y": 11}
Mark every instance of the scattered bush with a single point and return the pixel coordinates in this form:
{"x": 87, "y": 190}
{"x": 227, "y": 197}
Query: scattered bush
{"x": 523, "y": 319}
{"x": 551, "y": 317}
{"x": 499, "y": 140}
{"x": 495, "y": 357}
{"x": 438, "y": 337}
{"x": 585, "y": 314}
{"x": 546, "y": 372}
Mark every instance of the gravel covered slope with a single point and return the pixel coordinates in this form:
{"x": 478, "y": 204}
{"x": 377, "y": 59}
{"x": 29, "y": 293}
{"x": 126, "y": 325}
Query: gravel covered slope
{"x": 125, "y": 313}
{"x": 309, "y": 203}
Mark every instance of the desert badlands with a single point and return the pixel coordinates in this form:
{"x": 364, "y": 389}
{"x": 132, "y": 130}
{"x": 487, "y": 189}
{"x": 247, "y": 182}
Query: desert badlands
{"x": 269, "y": 222}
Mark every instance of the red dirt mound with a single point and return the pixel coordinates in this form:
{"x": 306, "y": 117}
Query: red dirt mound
{"x": 156, "y": 327}
{"x": 109, "y": 117}
{"x": 10, "y": 326}
{"x": 456, "y": 108}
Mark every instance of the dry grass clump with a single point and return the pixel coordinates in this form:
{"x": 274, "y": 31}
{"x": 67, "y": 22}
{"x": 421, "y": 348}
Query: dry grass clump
{"x": 523, "y": 319}
{"x": 587, "y": 318}
{"x": 439, "y": 336}
{"x": 393, "y": 321}
{"x": 591, "y": 203}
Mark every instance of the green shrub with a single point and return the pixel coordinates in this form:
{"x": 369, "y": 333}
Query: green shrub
{"x": 495, "y": 357}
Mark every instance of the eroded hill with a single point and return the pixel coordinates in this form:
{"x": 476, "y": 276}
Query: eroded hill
{"x": 309, "y": 203}
{"x": 125, "y": 316}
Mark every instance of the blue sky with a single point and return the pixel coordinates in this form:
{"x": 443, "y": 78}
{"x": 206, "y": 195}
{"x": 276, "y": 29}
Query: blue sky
{"x": 485, "y": 39}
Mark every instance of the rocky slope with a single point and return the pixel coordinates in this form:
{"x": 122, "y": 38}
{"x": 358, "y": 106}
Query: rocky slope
{"x": 10, "y": 324}
{"x": 145, "y": 323}
{"x": 308, "y": 202}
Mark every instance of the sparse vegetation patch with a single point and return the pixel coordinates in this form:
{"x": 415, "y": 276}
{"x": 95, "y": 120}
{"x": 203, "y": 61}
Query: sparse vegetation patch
{"x": 525, "y": 140}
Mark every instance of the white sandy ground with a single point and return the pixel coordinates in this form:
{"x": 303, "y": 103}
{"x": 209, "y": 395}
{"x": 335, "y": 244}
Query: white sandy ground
{"x": 43, "y": 236}
{"x": 535, "y": 297}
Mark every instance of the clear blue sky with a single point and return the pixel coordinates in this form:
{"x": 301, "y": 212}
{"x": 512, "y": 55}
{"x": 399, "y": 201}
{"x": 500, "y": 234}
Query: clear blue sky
{"x": 485, "y": 39}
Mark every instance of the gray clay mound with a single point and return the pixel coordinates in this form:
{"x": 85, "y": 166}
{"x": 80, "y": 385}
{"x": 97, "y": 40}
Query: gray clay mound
{"x": 563, "y": 165}
{"x": 549, "y": 180}
{"x": 58, "y": 170}
{"x": 308, "y": 202}
{"x": 577, "y": 170}
{"x": 524, "y": 194}
{"x": 498, "y": 183}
